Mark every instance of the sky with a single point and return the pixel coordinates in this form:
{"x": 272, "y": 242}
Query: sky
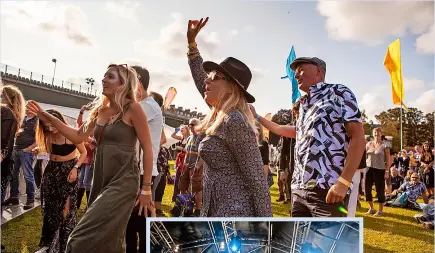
{"x": 351, "y": 37}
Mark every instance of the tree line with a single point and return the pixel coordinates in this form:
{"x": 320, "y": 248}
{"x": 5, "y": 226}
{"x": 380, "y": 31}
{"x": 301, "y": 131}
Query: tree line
{"x": 417, "y": 126}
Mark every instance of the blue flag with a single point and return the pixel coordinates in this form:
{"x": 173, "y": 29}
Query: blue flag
{"x": 291, "y": 76}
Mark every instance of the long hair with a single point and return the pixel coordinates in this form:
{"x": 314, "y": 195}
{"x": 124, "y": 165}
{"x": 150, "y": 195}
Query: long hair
{"x": 224, "y": 105}
{"x": 123, "y": 94}
{"x": 14, "y": 100}
{"x": 260, "y": 130}
{"x": 43, "y": 136}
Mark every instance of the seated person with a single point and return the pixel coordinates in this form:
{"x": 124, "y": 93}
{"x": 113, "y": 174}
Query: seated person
{"x": 414, "y": 189}
{"x": 427, "y": 219}
{"x": 396, "y": 179}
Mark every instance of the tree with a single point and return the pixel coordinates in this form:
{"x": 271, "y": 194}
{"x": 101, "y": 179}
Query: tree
{"x": 413, "y": 126}
{"x": 366, "y": 124}
{"x": 390, "y": 124}
{"x": 428, "y": 129}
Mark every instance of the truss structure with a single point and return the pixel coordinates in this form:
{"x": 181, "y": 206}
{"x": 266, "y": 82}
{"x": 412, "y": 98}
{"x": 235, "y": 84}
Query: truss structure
{"x": 301, "y": 229}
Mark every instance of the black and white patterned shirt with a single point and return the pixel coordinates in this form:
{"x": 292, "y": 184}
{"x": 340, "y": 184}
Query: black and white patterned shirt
{"x": 321, "y": 139}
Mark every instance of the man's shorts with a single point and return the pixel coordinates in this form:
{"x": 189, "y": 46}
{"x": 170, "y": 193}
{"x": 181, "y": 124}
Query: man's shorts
{"x": 192, "y": 175}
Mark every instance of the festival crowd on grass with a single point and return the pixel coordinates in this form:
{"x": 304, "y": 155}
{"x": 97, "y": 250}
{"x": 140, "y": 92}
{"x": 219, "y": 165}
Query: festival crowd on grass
{"x": 223, "y": 163}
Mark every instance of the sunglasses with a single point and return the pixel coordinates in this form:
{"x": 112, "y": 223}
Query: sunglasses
{"x": 214, "y": 76}
{"x": 414, "y": 177}
{"x": 192, "y": 125}
{"x": 120, "y": 65}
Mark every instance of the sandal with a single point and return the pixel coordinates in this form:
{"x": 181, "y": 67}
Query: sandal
{"x": 371, "y": 211}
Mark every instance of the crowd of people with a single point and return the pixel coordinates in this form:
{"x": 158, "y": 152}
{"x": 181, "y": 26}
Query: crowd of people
{"x": 116, "y": 156}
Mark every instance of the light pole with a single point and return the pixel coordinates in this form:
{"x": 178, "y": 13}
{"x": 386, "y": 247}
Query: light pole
{"x": 54, "y": 73}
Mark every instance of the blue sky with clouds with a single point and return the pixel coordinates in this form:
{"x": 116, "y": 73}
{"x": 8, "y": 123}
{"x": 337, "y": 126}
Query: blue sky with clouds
{"x": 352, "y": 37}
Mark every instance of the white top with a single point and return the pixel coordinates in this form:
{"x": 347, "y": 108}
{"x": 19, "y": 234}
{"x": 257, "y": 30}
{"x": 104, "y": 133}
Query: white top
{"x": 155, "y": 123}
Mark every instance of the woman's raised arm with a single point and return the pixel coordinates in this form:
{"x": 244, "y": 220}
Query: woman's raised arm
{"x": 75, "y": 135}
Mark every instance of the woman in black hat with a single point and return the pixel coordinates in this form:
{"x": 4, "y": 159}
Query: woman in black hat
{"x": 235, "y": 184}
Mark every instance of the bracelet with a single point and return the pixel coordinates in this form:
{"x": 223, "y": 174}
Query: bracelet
{"x": 147, "y": 184}
{"x": 192, "y": 53}
{"x": 344, "y": 181}
{"x": 257, "y": 117}
{"x": 192, "y": 45}
{"x": 76, "y": 166}
{"x": 146, "y": 192}
{"x": 81, "y": 112}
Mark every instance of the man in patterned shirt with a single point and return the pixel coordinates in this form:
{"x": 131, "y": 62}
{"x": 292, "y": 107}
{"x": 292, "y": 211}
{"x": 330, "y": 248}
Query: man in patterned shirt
{"x": 329, "y": 142}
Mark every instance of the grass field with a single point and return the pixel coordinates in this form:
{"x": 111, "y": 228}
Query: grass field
{"x": 396, "y": 231}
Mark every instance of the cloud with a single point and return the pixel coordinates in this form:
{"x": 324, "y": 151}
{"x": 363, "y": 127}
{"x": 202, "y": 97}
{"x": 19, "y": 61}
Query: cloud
{"x": 426, "y": 43}
{"x": 249, "y": 28}
{"x": 233, "y": 33}
{"x": 373, "y": 103}
{"x": 172, "y": 41}
{"x": 57, "y": 19}
{"x": 124, "y": 10}
{"x": 413, "y": 84}
{"x": 425, "y": 102}
{"x": 372, "y": 23}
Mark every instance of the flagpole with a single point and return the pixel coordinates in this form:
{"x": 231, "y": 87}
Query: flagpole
{"x": 401, "y": 102}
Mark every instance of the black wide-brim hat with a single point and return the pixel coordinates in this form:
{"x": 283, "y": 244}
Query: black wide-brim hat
{"x": 236, "y": 70}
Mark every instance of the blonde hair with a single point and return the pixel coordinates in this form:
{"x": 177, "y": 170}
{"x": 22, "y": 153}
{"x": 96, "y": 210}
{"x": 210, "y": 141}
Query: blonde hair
{"x": 43, "y": 136}
{"x": 14, "y": 100}
{"x": 260, "y": 130}
{"x": 123, "y": 94}
{"x": 224, "y": 105}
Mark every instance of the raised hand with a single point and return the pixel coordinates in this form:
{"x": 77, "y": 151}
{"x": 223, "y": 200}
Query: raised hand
{"x": 193, "y": 28}
{"x": 33, "y": 108}
{"x": 254, "y": 112}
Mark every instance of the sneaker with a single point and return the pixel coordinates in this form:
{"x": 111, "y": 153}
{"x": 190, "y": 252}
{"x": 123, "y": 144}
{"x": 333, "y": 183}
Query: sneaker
{"x": 37, "y": 193}
{"x": 281, "y": 199}
{"x": 42, "y": 250}
{"x": 29, "y": 205}
{"x": 11, "y": 202}
{"x": 419, "y": 218}
{"x": 371, "y": 211}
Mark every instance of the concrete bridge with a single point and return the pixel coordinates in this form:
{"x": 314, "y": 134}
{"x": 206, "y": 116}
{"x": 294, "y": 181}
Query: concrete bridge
{"x": 49, "y": 90}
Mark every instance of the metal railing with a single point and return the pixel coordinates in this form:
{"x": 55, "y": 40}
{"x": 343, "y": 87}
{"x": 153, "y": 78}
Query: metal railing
{"x": 47, "y": 81}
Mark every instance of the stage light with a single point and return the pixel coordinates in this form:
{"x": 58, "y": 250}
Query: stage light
{"x": 222, "y": 247}
{"x": 235, "y": 244}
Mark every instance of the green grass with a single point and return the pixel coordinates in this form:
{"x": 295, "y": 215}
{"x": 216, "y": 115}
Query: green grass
{"x": 396, "y": 231}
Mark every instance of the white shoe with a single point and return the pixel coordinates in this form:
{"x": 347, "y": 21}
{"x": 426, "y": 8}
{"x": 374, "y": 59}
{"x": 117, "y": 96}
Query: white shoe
{"x": 42, "y": 250}
{"x": 37, "y": 194}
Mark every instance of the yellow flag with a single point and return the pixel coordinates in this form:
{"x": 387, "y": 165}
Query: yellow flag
{"x": 265, "y": 130}
{"x": 393, "y": 65}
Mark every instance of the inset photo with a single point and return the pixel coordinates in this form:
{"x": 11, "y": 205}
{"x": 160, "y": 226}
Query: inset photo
{"x": 247, "y": 235}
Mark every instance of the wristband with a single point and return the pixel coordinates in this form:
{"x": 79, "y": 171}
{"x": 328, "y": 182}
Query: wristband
{"x": 344, "y": 181}
{"x": 257, "y": 117}
{"x": 76, "y": 166}
{"x": 146, "y": 193}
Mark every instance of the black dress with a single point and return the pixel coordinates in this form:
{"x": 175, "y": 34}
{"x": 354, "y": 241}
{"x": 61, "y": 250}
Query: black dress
{"x": 9, "y": 126}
